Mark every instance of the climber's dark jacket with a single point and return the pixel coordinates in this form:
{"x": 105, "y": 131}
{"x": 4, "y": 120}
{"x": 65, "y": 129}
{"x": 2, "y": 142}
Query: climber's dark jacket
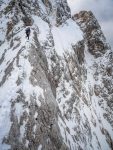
{"x": 28, "y": 32}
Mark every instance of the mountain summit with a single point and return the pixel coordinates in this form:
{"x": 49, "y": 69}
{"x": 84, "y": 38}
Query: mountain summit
{"x": 56, "y": 89}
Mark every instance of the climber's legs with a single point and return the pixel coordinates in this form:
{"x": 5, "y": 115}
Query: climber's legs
{"x": 27, "y": 36}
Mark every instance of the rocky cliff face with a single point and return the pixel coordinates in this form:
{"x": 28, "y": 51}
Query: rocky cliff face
{"x": 56, "y": 90}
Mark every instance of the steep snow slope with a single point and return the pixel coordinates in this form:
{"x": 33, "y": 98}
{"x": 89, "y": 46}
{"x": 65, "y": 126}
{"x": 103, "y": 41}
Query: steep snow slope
{"x": 66, "y": 35}
{"x": 56, "y": 89}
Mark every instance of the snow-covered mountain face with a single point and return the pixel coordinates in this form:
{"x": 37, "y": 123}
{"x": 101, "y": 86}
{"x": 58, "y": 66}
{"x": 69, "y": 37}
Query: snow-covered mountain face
{"x": 56, "y": 90}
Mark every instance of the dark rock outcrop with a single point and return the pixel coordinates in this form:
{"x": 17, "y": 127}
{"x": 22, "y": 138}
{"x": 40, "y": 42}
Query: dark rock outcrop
{"x": 94, "y": 37}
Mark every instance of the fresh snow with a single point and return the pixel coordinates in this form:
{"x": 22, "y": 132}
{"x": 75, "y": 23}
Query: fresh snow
{"x": 66, "y": 35}
{"x": 41, "y": 27}
{"x": 40, "y": 147}
{"x": 7, "y": 92}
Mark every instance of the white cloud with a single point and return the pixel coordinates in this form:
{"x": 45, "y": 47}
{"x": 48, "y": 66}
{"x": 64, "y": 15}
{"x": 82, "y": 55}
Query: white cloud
{"x": 102, "y": 9}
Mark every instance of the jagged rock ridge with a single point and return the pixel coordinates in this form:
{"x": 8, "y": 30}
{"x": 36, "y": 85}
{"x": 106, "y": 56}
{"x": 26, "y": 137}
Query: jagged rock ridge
{"x": 56, "y": 91}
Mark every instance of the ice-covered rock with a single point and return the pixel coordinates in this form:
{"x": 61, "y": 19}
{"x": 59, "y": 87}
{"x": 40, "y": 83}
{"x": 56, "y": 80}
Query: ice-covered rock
{"x": 56, "y": 90}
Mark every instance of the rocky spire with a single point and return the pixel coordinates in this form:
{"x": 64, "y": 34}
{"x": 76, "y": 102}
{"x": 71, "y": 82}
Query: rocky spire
{"x": 94, "y": 37}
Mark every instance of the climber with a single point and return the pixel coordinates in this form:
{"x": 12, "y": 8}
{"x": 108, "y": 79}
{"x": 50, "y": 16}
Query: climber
{"x": 28, "y": 32}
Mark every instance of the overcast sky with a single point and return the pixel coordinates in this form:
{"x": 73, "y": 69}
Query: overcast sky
{"x": 102, "y": 9}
